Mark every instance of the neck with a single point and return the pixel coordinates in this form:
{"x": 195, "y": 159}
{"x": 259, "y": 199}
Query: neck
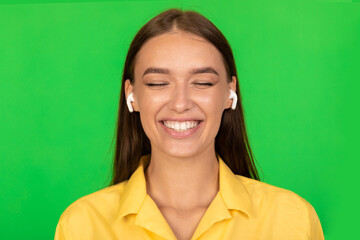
{"x": 182, "y": 182}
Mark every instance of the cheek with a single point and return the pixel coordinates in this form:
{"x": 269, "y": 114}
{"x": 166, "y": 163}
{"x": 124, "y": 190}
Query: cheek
{"x": 213, "y": 103}
{"x": 149, "y": 102}
{"x": 149, "y": 105}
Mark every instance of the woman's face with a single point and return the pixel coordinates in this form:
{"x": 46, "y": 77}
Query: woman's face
{"x": 181, "y": 91}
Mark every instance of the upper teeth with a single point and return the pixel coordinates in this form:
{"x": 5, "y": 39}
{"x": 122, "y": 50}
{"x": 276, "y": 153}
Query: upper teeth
{"x": 181, "y": 126}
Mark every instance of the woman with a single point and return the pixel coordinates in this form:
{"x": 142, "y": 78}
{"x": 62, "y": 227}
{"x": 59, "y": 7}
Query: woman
{"x": 183, "y": 166}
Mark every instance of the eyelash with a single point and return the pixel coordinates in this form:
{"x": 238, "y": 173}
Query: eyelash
{"x": 155, "y": 85}
{"x": 163, "y": 84}
{"x": 205, "y": 84}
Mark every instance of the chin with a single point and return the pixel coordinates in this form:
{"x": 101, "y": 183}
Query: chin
{"x": 181, "y": 152}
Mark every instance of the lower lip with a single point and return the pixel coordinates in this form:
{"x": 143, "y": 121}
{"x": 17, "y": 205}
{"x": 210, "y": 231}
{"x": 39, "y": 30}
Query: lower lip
{"x": 183, "y": 134}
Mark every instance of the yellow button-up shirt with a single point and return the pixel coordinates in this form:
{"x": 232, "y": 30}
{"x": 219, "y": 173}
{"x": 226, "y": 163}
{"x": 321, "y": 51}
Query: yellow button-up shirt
{"x": 243, "y": 208}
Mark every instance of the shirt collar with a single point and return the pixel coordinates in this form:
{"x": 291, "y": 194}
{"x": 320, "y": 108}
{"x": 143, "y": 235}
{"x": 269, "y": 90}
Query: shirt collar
{"x": 232, "y": 190}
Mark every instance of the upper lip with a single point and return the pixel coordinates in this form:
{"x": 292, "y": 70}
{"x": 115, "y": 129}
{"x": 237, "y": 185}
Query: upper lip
{"x": 182, "y": 119}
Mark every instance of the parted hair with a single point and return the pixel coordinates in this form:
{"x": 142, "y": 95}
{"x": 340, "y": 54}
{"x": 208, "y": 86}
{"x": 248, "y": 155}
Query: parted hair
{"x": 231, "y": 141}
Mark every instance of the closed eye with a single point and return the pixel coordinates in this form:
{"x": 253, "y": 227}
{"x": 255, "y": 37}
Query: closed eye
{"x": 156, "y": 85}
{"x": 164, "y": 84}
{"x": 204, "y": 84}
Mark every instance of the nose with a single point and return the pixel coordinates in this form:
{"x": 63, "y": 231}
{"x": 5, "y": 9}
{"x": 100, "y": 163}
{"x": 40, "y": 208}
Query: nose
{"x": 180, "y": 98}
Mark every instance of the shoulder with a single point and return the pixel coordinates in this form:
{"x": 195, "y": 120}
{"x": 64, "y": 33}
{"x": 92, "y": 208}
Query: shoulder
{"x": 260, "y": 190}
{"x": 290, "y": 215}
{"x": 103, "y": 201}
{"x": 280, "y": 202}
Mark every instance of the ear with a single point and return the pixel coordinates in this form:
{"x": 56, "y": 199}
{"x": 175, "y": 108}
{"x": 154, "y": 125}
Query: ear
{"x": 231, "y": 85}
{"x": 130, "y": 89}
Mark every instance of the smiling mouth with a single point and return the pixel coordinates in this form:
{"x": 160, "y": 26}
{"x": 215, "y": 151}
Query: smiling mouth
{"x": 180, "y": 126}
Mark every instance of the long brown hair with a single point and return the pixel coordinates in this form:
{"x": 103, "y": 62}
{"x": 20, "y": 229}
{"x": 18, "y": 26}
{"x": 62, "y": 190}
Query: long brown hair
{"x": 231, "y": 142}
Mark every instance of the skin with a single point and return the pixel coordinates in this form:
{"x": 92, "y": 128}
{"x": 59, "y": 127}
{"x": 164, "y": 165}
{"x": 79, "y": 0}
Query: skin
{"x": 182, "y": 177}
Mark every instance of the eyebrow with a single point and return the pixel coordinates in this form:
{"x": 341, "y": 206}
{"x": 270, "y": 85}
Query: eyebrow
{"x": 193, "y": 71}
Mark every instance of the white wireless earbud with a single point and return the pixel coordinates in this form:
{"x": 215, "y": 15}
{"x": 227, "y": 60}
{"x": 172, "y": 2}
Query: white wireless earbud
{"x": 129, "y": 100}
{"x": 233, "y": 96}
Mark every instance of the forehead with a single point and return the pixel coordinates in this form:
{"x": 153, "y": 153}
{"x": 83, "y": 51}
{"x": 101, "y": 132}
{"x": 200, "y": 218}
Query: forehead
{"x": 180, "y": 52}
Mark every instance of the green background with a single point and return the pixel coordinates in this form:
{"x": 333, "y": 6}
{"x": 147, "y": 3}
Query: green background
{"x": 60, "y": 71}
